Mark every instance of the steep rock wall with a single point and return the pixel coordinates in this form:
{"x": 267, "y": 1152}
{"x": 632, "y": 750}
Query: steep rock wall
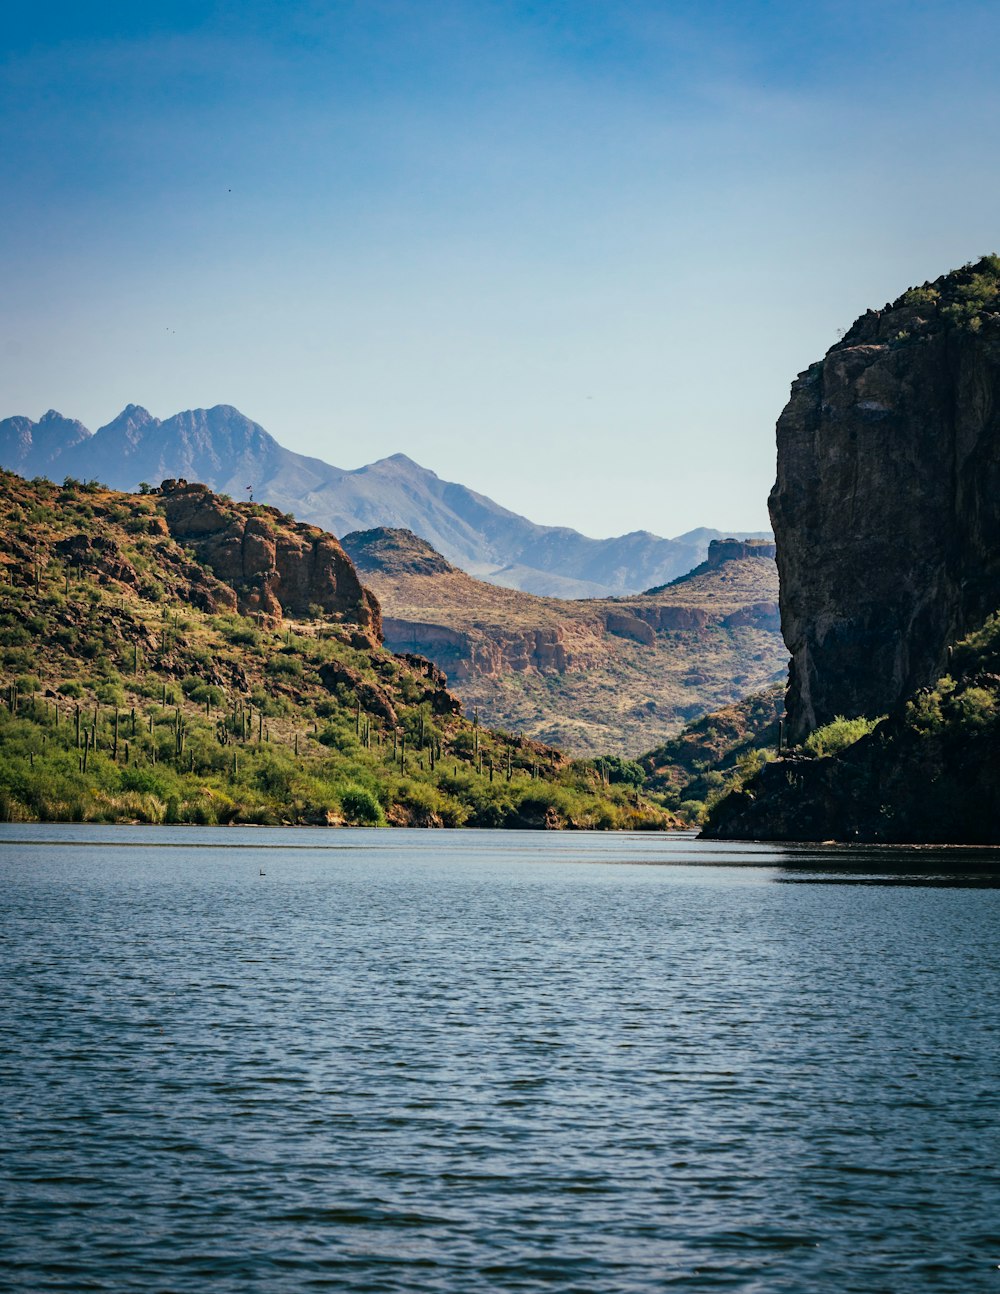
{"x": 886, "y": 508}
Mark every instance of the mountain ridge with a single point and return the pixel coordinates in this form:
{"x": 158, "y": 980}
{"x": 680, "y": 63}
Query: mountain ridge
{"x": 176, "y": 656}
{"x": 230, "y": 453}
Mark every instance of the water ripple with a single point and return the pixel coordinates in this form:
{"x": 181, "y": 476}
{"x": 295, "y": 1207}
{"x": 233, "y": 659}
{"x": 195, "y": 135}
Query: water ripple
{"x": 480, "y": 1062}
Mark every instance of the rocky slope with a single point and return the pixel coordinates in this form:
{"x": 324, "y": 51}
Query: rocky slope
{"x": 887, "y": 518}
{"x": 597, "y": 675}
{"x": 274, "y": 564}
{"x": 229, "y": 452}
{"x": 697, "y": 764}
{"x": 175, "y": 656}
{"x": 925, "y": 774}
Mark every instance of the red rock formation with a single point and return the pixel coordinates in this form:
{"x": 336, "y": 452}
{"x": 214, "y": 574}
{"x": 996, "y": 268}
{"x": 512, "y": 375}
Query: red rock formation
{"x": 629, "y": 626}
{"x": 274, "y": 564}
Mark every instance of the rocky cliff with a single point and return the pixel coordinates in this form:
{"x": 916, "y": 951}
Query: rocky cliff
{"x": 274, "y": 564}
{"x": 886, "y": 512}
{"x": 886, "y": 507}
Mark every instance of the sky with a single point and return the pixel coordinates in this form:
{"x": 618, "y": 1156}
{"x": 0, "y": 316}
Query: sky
{"x": 571, "y": 254}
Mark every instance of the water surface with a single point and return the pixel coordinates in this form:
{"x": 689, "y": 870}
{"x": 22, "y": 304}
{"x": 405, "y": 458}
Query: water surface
{"x": 488, "y": 1061}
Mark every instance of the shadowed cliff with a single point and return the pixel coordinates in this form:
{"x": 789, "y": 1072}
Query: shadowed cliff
{"x": 886, "y": 507}
{"x": 886, "y": 513}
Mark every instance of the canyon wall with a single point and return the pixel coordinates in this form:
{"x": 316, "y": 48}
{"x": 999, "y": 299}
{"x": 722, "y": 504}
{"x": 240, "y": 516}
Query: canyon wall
{"x": 886, "y": 508}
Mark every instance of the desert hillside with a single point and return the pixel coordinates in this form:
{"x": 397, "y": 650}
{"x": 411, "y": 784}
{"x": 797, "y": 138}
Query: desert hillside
{"x": 175, "y": 656}
{"x": 591, "y": 675}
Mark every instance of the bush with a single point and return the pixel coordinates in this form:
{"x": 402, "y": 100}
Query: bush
{"x": 196, "y": 689}
{"x": 618, "y": 770}
{"x": 975, "y": 708}
{"x": 360, "y": 807}
{"x": 750, "y": 762}
{"x": 692, "y": 811}
{"x": 838, "y": 735}
{"x": 925, "y": 296}
{"x": 284, "y": 665}
{"x": 242, "y": 635}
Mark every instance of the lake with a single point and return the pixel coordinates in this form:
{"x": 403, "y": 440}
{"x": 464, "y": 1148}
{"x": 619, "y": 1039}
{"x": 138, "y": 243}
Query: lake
{"x": 293, "y": 1060}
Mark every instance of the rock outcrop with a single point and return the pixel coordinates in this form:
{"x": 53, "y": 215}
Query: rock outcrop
{"x": 886, "y": 508}
{"x": 737, "y": 550}
{"x": 275, "y": 565}
{"x": 721, "y": 551}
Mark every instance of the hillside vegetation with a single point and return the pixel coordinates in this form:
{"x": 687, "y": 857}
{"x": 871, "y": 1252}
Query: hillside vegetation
{"x": 716, "y": 753}
{"x": 176, "y": 657}
{"x": 927, "y": 772}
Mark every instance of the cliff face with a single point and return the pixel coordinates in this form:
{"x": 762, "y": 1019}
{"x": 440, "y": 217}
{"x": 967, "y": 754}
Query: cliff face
{"x": 274, "y": 564}
{"x": 886, "y": 508}
{"x": 887, "y": 517}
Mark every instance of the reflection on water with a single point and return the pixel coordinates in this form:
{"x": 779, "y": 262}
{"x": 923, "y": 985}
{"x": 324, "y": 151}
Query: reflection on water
{"x": 403, "y": 1061}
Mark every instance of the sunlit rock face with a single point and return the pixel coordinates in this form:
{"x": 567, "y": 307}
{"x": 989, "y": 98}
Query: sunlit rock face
{"x": 276, "y": 566}
{"x": 886, "y": 508}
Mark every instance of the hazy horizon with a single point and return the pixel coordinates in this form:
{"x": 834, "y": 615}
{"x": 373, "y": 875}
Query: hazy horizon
{"x": 709, "y": 525}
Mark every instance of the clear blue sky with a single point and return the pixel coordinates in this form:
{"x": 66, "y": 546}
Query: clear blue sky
{"x": 570, "y": 254}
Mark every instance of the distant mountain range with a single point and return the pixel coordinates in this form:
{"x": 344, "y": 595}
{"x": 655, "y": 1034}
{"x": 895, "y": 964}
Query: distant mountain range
{"x": 227, "y": 451}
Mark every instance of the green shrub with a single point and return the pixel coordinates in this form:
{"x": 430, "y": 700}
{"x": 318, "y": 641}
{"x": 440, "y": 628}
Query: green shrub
{"x": 750, "y": 762}
{"x": 242, "y": 635}
{"x": 360, "y": 807}
{"x": 618, "y": 770}
{"x": 196, "y": 689}
{"x": 284, "y": 666}
{"x": 925, "y": 296}
{"x": 838, "y": 735}
{"x": 975, "y": 708}
{"x": 692, "y": 811}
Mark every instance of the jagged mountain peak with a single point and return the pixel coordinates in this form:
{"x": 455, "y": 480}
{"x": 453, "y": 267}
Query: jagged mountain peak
{"x": 38, "y": 448}
{"x": 136, "y": 413}
{"x": 132, "y": 418}
{"x": 53, "y": 422}
{"x": 229, "y": 452}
